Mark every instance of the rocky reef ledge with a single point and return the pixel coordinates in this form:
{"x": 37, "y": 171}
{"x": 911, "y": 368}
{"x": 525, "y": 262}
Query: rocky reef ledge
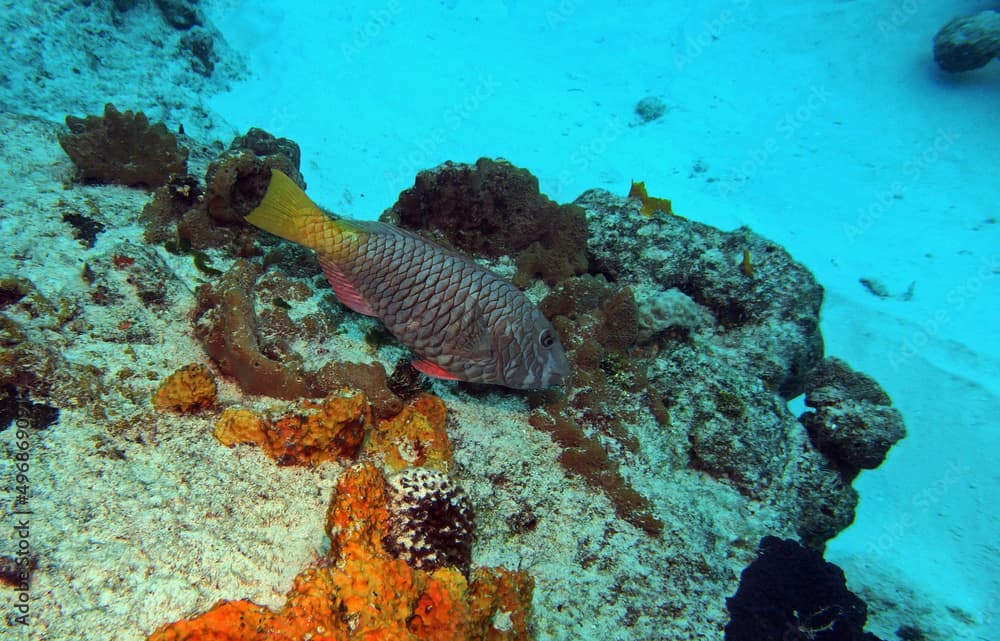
{"x": 220, "y": 450}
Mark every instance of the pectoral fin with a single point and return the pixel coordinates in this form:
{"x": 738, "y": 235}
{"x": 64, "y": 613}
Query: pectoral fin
{"x": 345, "y": 290}
{"x": 435, "y": 371}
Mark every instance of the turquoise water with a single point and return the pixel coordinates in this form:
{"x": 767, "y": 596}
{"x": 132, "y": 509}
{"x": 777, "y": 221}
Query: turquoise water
{"x": 827, "y": 128}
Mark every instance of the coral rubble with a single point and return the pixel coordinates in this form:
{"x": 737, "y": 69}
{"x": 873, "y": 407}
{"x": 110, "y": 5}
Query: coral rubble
{"x": 123, "y": 148}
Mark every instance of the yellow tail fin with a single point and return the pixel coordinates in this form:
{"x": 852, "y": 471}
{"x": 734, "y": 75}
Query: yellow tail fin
{"x": 286, "y": 211}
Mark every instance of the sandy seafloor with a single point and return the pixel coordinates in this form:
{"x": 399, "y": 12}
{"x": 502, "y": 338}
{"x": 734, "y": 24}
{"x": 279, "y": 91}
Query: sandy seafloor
{"x": 822, "y": 125}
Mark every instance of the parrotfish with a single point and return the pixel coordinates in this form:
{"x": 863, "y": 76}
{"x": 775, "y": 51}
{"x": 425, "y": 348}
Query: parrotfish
{"x": 461, "y": 320}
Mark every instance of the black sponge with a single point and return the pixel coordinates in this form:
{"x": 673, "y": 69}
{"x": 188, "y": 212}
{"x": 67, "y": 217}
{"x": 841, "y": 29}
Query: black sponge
{"x": 790, "y": 593}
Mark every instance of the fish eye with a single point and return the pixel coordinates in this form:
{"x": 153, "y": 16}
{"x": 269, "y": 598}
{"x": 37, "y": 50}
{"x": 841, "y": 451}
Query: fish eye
{"x": 546, "y": 339}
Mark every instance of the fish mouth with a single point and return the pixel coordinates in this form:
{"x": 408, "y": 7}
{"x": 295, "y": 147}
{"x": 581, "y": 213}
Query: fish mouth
{"x": 555, "y": 371}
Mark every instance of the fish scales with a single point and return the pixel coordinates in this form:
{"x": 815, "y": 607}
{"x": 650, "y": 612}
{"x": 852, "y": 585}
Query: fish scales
{"x": 461, "y": 320}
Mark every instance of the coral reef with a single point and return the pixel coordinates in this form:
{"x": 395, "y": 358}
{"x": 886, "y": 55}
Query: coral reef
{"x": 853, "y": 423}
{"x": 122, "y": 148}
{"x": 709, "y": 352}
{"x": 599, "y": 324}
{"x": 495, "y": 209}
{"x": 328, "y": 430}
{"x": 255, "y": 349}
{"x": 189, "y": 389}
{"x": 968, "y": 42}
{"x": 710, "y": 349}
{"x": 361, "y": 592}
{"x": 430, "y": 520}
{"x": 790, "y": 592}
{"x": 235, "y": 183}
{"x": 702, "y": 262}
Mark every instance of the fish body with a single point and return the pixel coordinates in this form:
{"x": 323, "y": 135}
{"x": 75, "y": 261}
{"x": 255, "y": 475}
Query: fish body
{"x": 463, "y": 321}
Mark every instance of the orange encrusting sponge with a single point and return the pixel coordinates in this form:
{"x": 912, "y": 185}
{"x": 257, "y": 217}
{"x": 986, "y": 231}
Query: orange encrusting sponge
{"x": 416, "y": 436}
{"x": 188, "y": 390}
{"x": 361, "y": 593}
{"x": 320, "y": 431}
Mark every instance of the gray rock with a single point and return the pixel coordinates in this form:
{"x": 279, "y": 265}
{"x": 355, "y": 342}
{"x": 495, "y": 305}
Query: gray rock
{"x": 650, "y": 108}
{"x": 853, "y": 424}
{"x": 181, "y": 14}
{"x": 968, "y": 42}
{"x": 770, "y": 314}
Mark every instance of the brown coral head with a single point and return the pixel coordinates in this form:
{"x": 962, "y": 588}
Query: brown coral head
{"x": 237, "y": 180}
{"x": 122, "y": 148}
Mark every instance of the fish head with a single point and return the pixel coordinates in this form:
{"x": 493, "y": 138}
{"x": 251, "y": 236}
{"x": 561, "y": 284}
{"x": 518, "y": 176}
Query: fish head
{"x": 535, "y": 357}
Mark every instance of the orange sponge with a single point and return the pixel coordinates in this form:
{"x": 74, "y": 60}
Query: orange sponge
{"x": 361, "y": 593}
{"x": 330, "y": 429}
{"x": 188, "y": 390}
{"x": 414, "y": 437}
